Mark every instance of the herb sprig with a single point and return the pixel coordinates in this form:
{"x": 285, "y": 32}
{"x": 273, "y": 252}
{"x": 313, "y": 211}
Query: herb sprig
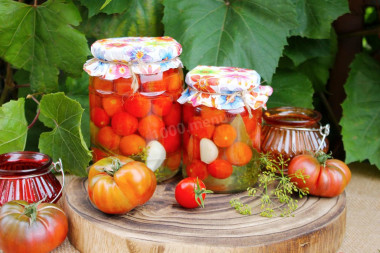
{"x": 275, "y": 190}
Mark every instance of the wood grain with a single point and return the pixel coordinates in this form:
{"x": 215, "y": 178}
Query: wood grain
{"x": 161, "y": 225}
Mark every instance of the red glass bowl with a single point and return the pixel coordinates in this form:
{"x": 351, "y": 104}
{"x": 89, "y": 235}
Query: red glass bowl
{"x": 29, "y": 176}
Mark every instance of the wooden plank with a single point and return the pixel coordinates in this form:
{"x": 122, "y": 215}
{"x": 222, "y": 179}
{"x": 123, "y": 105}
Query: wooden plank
{"x": 161, "y": 225}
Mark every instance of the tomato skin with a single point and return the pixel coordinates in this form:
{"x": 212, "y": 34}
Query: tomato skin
{"x": 46, "y": 233}
{"x": 327, "y": 180}
{"x": 185, "y": 192}
{"x": 130, "y": 186}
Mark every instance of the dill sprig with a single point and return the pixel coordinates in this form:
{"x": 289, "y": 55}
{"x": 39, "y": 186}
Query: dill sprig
{"x": 274, "y": 188}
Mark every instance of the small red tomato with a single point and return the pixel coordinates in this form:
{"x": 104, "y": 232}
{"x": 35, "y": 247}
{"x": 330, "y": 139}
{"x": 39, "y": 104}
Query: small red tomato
{"x": 172, "y": 140}
{"x": 220, "y": 169}
{"x": 137, "y": 105}
{"x": 32, "y": 228}
{"x": 107, "y": 138}
{"x": 324, "y": 177}
{"x": 197, "y": 169}
{"x": 124, "y": 124}
{"x": 161, "y": 106}
{"x": 112, "y": 105}
{"x": 173, "y": 118}
{"x": 151, "y": 127}
{"x": 191, "y": 192}
{"x": 99, "y": 117}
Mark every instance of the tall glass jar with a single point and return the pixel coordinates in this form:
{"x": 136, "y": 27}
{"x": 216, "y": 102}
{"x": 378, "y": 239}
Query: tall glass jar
{"x": 222, "y": 127}
{"x": 292, "y": 131}
{"x": 133, "y": 107}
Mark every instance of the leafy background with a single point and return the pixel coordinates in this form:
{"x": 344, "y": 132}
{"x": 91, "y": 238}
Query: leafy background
{"x": 291, "y": 43}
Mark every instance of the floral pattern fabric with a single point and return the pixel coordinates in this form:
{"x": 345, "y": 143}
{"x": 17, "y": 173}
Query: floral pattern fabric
{"x": 114, "y": 57}
{"x": 225, "y": 88}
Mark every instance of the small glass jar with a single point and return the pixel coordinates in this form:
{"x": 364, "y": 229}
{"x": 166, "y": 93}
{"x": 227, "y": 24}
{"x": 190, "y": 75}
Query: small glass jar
{"x": 221, "y": 146}
{"x": 292, "y": 131}
{"x": 134, "y": 112}
{"x": 28, "y": 176}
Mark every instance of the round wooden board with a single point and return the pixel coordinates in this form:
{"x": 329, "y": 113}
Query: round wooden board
{"x": 161, "y": 225}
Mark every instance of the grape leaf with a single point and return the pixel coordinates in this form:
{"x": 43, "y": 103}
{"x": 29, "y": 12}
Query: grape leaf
{"x": 291, "y": 88}
{"x": 142, "y": 18}
{"x": 115, "y": 6}
{"x": 65, "y": 141}
{"x": 315, "y": 17}
{"x": 361, "y": 111}
{"x": 77, "y": 89}
{"x": 13, "y": 125}
{"x": 300, "y": 49}
{"x": 250, "y": 34}
{"x": 42, "y": 40}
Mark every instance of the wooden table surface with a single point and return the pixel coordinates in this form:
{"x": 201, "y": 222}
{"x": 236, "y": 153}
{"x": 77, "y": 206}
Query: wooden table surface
{"x": 363, "y": 212}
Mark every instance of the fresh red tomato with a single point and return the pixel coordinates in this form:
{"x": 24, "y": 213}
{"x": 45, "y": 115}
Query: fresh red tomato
{"x": 191, "y": 192}
{"x": 220, "y": 169}
{"x": 118, "y": 184}
{"x": 324, "y": 177}
{"x": 32, "y": 228}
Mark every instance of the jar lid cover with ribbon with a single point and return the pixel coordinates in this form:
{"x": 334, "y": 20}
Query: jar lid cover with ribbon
{"x": 225, "y": 88}
{"x": 124, "y": 57}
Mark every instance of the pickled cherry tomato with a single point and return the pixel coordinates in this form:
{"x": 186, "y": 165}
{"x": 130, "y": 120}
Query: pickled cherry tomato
{"x": 151, "y": 127}
{"x": 213, "y": 115}
{"x": 173, "y": 118}
{"x": 162, "y": 105}
{"x": 99, "y": 117}
{"x": 201, "y": 128}
{"x": 102, "y": 84}
{"x": 197, "y": 169}
{"x": 224, "y": 135}
{"x": 124, "y": 124}
{"x": 132, "y": 144}
{"x": 172, "y": 141}
{"x": 108, "y": 138}
{"x": 112, "y": 105}
{"x": 239, "y": 154}
{"x": 173, "y": 161}
{"x": 123, "y": 86}
{"x": 220, "y": 169}
{"x": 137, "y": 105}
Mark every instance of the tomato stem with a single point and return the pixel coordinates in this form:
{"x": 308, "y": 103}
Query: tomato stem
{"x": 198, "y": 191}
{"x": 31, "y": 211}
{"x": 115, "y": 166}
{"x": 322, "y": 157}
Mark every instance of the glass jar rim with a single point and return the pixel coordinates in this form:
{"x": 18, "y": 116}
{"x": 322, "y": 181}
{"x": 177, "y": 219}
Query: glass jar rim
{"x": 291, "y": 116}
{"x": 44, "y": 168}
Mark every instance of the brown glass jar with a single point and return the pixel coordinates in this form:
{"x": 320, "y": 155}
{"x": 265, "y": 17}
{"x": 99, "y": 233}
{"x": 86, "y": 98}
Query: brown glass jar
{"x": 292, "y": 131}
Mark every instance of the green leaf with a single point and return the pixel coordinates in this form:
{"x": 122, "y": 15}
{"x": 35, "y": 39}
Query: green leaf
{"x": 65, "y": 141}
{"x": 42, "y": 40}
{"x": 105, "y": 4}
{"x": 13, "y": 125}
{"x": 315, "y": 17}
{"x": 300, "y": 49}
{"x": 109, "y": 7}
{"x": 142, "y": 18}
{"x": 361, "y": 111}
{"x": 250, "y": 34}
{"x": 291, "y": 88}
{"x": 77, "y": 89}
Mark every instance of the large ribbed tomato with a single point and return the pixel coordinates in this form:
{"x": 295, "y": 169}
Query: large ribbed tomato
{"x": 324, "y": 177}
{"x": 32, "y": 228}
{"x": 116, "y": 185}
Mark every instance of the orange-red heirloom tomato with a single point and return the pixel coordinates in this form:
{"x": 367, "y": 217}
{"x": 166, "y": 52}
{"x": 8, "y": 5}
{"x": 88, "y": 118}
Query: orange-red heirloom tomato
{"x": 326, "y": 178}
{"x": 118, "y": 184}
{"x": 32, "y": 228}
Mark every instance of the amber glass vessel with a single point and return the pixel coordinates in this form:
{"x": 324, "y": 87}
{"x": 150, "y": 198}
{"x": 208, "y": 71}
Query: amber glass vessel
{"x": 291, "y": 131}
{"x": 125, "y": 122}
{"x": 28, "y": 176}
{"x": 221, "y": 147}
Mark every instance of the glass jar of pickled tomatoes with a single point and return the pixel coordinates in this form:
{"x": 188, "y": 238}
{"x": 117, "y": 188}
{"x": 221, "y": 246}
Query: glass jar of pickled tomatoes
{"x": 222, "y": 126}
{"x": 134, "y": 85}
{"x": 291, "y": 131}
